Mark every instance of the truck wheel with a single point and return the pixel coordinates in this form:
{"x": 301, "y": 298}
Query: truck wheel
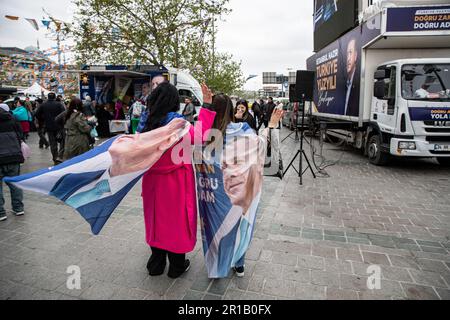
{"x": 445, "y": 162}
{"x": 376, "y": 156}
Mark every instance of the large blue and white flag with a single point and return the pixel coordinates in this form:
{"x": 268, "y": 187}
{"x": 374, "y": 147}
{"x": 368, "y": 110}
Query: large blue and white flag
{"x": 96, "y": 182}
{"x": 229, "y": 188}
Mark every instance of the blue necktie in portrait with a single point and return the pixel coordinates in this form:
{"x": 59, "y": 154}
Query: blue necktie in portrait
{"x": 89, "y": 196}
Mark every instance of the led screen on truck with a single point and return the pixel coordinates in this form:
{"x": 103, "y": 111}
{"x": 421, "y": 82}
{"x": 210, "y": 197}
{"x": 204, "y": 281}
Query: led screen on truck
{"x": 332, "y": 18}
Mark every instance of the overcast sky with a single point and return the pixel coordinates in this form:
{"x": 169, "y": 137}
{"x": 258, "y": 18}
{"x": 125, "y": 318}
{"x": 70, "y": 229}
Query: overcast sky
{"x": 266, "y": 35}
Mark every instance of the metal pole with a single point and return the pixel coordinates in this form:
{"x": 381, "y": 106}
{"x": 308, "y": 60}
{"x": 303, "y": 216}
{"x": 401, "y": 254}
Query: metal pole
{"x": 301, "y": 141}
{"x": 58, "y": 40}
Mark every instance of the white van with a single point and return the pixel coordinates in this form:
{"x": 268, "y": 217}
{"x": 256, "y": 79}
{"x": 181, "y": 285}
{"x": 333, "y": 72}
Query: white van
{"x": 187, "y": 86}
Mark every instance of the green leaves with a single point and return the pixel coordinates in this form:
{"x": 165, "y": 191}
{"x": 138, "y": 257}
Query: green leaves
{"x": 177, "y": 33}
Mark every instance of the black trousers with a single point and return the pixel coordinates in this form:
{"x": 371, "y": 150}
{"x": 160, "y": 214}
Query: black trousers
{"x": 56, "y": 154}
{"x": 157, "y": 263}
{"x": 42, "y": 139}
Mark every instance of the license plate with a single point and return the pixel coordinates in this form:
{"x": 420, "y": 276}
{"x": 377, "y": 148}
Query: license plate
{"x": 442, "y": 147}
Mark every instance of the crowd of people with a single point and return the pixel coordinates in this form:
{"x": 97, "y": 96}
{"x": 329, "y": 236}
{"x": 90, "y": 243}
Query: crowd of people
{"x": 67, "y": 131}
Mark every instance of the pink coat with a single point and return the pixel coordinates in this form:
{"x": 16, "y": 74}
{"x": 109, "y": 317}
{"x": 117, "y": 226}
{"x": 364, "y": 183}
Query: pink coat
{"x": 170, "y": 200}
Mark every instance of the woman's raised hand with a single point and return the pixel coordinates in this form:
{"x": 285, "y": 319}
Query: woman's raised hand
{"x": 276, "y": 117}
{"x": 207, "y": 94}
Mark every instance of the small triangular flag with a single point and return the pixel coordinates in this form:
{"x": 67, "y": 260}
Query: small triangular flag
{"x": 33, "y": 23}
{"x": 11, "y": 17}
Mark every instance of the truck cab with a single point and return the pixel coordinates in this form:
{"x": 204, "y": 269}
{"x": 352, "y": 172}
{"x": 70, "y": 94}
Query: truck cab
{"x": 411, "y": 110}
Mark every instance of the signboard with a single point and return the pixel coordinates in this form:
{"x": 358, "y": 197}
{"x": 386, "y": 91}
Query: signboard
{"x": 269, "y": 77}
{"x": 418, "y": 19}
{"x": 429, "y": 114}
{"x": 338, "y": 70}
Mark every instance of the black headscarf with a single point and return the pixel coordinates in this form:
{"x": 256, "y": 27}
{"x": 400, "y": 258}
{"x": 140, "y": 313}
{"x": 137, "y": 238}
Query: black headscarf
{"x": 162, "y": 101}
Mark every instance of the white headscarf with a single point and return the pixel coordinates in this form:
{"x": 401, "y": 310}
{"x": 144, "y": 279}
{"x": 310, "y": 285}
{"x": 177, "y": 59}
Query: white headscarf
{"x": 4, "y": 106}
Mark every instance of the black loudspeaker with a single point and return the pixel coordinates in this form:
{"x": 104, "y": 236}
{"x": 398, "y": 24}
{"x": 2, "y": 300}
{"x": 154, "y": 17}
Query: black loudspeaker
{"x": 292, "y": 93}
{"x": 304, "y": 87}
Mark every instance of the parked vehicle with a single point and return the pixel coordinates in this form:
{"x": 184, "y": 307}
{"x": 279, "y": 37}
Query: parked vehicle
{"x": 293, "y": 113}
{"x": 384, "y": 87}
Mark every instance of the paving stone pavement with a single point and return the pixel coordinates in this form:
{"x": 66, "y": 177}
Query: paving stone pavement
{"x": 314, "y": 241}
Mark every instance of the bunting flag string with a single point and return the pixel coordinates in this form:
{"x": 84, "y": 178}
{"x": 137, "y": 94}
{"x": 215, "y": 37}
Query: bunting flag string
{"x": 45, "y": 22}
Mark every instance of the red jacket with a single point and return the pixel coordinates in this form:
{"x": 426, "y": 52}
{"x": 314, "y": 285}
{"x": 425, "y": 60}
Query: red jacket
{"x": 170, "y": 200}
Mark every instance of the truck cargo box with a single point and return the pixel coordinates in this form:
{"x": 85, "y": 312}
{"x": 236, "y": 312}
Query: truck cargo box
{"x": 344, "y": 69}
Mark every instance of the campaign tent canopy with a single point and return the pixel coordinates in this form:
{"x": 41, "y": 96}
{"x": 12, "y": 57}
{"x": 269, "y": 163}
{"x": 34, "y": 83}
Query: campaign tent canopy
{"x": 35, "y": 90}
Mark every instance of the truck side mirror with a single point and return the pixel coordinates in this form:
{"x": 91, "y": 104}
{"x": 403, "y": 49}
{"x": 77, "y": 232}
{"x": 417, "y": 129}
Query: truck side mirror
{"x": 378, "y": 90}
{"x": 382, "y": 74}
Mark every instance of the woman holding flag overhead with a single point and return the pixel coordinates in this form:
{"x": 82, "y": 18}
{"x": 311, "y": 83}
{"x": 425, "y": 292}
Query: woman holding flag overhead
{"x": 168, "y": 189}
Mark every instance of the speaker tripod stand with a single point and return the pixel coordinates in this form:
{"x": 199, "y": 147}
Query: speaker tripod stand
{"x": 301, "y": 152}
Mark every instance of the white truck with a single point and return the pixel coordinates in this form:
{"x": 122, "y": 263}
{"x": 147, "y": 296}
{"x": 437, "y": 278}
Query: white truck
{"x": 188, "y": 87}
{"x": 384, "y": 86}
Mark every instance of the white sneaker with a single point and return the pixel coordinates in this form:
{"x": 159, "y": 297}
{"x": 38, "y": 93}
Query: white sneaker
{"x": 17, "y": 214}
{"x": 3, "y": 218}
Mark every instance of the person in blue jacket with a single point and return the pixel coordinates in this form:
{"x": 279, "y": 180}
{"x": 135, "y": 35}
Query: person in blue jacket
{"x": 23, "y": 116}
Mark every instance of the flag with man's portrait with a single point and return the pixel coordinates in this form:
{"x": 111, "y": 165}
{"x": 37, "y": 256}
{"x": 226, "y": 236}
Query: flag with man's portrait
{"x": 229, "y": 186}
{"x": 86, "y": 183}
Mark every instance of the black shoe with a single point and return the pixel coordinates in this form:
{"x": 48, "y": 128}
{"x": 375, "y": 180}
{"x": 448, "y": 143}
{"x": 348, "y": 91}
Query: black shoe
{"x": 239, "y": 271}
{"x": 41, "y": 147}
{"x": 47, "y": 146}
{"x": 187, "y": 266}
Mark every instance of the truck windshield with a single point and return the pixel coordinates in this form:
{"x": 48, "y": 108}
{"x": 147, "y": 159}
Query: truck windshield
{"x": 429, "y": 82}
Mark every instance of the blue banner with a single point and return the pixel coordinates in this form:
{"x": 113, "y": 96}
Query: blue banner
{"x": 429, "y": 114}
{"x": 229, "y": 188}
{"x": 96, "y": 182}
{"x": 338, "y": 70}
{"x": 418, "y": 19}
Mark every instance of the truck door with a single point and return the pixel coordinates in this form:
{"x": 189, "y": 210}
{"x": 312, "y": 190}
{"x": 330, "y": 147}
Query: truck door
{"x": 384, "y": 110}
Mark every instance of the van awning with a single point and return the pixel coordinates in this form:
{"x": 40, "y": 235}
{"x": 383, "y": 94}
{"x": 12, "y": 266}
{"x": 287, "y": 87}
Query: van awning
{"x": 111, "y": 73}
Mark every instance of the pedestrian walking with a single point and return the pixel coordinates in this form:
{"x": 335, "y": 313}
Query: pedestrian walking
{"x": 49, "y": 110}
{"x": 168, "y": 191}
{"x": 119, "y": 114}
{"x": 256, "y": 108}
{"x": 77, "y": 130}
{"x": 88, "y": 108}
{"x": 189, "y": 110}
{"x": 22, "y": 115}
{"x": 40, "y": 126}
{"x": 103, "y": 117}
{"x": 267, "y": 111}
{"x": 10, "y": 159}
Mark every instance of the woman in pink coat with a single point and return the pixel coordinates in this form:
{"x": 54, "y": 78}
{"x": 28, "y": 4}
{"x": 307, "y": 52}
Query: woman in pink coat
{"x": 168, "y": 190}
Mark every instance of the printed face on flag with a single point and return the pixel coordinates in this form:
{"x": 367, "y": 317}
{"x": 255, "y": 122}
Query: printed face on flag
{"x": 133, "y": 153}
{"x": 242, "y": 170}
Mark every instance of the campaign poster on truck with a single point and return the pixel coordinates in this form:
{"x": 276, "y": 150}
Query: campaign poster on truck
{"x": 338, "y": 71}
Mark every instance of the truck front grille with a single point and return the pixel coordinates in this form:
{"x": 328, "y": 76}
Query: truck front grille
{"x": 438, "y": 139}
{"x": 438, "y": 130}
